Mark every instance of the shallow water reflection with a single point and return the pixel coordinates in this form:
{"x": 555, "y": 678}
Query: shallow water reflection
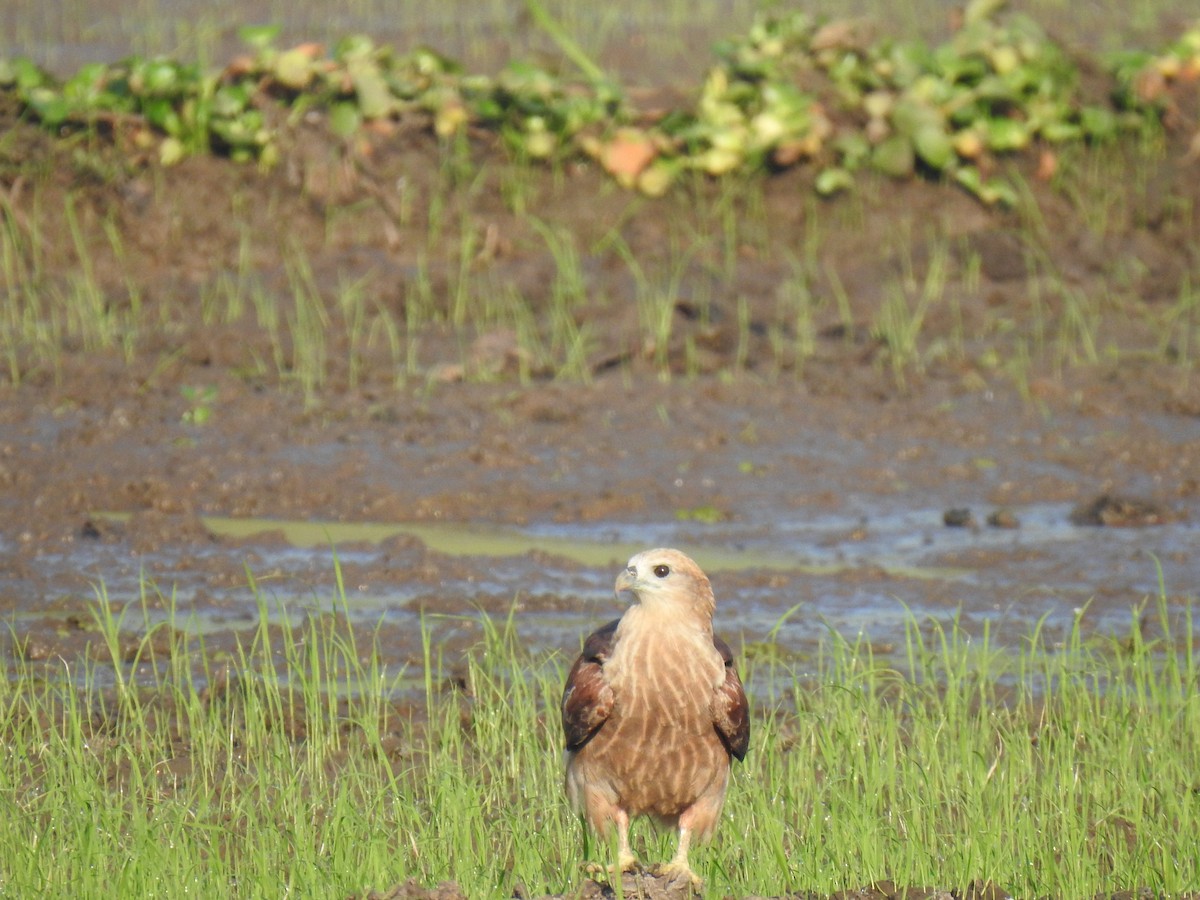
{"x": 794, "y": 582}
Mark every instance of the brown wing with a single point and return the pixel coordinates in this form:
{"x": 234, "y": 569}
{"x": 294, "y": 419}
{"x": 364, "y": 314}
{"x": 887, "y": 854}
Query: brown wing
{"x": 587, "y": 699}
{"x": 731, "y": 710}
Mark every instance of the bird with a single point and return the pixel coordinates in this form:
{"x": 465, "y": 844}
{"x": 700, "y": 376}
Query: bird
{"x": 653, "y": 713}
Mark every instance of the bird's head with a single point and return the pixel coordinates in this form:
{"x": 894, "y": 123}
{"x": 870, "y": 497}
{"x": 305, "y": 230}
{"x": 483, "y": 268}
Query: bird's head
{"x": 668, "y": 582}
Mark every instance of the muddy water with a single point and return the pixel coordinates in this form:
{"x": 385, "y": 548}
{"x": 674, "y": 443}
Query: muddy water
{"x": 826, "y": 517}
{"x": 861, "y": 573}
{"x": 1035, "y": 550}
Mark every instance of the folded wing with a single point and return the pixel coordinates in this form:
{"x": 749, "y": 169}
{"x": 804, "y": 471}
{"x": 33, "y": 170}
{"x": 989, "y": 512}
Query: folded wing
{"x": 587, "y": 700}
{"x": 731, "y": 710}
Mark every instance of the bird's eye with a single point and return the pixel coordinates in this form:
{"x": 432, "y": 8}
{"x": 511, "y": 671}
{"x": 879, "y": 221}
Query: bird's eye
{"x": 662, "y": 571}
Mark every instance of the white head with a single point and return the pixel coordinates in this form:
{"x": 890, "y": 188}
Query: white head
{"x": 668, "y": 581}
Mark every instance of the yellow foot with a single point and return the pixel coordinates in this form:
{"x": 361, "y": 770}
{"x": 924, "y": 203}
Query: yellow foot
{"x": 675, "y": 871}
{"x": 625, "y": 863}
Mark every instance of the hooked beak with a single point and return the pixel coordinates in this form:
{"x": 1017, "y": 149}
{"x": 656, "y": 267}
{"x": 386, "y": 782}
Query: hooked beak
{"x": 627, "y": 580}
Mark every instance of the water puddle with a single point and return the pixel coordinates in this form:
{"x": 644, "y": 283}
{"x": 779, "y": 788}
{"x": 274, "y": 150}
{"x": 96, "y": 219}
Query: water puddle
{"x": 862, "y": 574}
{"x": 587, "y": 547}
{"x": 793, "y": 584}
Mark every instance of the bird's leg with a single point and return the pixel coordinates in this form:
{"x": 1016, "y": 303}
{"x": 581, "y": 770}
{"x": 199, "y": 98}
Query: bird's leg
{"x": 678, "y": 869}
{"x": 626, "y": 861}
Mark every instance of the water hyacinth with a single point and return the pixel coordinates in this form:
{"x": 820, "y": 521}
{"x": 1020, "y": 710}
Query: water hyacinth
{"x": 791, "y": 91}
{"x": 1155, "y": 80}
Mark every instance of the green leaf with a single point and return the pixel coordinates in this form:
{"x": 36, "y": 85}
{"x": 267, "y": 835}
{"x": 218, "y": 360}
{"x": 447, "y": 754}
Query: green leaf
{"x": 908, "y": 62}
{"x": 910, "y": 116}
{"x": 49, "y": 106}
{"x": 1098, "y": 123}
{"x": 246, "y": 131}
{"x": 982, "y": 10}
{"x": 229, "y": 100}
{"x": 526, "y": 79}
{"x": 375, "y": 101}
{"x": 344, "y": 119}
{"x": 155, "y": 78}
{"x": 161, "y": 113}
{"x": 658, "y": 177}
{"x": 934, "y": 146}
{"x": 993, "y": 191}
{"x": 87, "y": 85}
{"x": 1004, "y": 135}
{"x": 894, "y": 156}
{"x": 832, "y": 181}
{"x": 1060, "y": 132}
{"x": 352, "y": 47}
{"x": 293, "y": 68}
{"x": 853, "y": 149}
{"x": 537, "y": 140}
{"x": 171, "y": 151}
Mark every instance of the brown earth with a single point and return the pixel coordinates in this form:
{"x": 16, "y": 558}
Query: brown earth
{"x": 741, "y": 427}
{"x": 651, "y": 887}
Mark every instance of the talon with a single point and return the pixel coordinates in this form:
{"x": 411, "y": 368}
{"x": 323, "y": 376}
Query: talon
{"x": 627, "y": 862}
{"x": 676, "y": 871}
{"x": 624, "y": 864}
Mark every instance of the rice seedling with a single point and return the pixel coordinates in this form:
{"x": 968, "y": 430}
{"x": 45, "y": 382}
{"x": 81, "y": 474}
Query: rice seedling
{"x": 841, "y": 298}
{"x": 350, "y": 301}
{"x": 307, "y": 321}
{"x": 657, "y": 305}
{"x": 385, "y": 329}
{"x": 746, "y": 113}
{"x": 468, "y": 248}
{"x": 20, "y": 268}
{"x": 305, "y": 762}
{"x": 797, "y": 308}
{"x": 1180, "y": 329}
{"x": 43, "y": 313}
{"x": 570, "y": 346}
{"x": 569, "y": 288}
{"x": 907, "y": 303}
{"x": 225, "y": 299}
{"x": 87, "y": 309}
{"x": 519, "y": 188}
{"x": 1077, "y": 340}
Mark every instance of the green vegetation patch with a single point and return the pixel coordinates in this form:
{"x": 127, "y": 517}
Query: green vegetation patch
{"x": 793, "y": 90}
{"x": 301, "y": 763}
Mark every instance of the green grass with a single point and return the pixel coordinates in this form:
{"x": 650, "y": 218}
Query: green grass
{"x": 301, "y": 764}
{"x": 71, "y": 283}
{"x": 70, "y": 275}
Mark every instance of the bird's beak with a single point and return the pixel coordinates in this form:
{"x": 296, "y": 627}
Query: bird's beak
{"x": 626, "y": 580}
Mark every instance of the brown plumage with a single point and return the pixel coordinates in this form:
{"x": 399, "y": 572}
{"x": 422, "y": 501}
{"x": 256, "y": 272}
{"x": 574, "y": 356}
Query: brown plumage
{"x": 653, "y": 711}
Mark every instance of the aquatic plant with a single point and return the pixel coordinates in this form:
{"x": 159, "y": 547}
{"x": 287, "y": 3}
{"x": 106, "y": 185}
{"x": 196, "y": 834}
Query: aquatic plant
{"x": 792, "y": 90}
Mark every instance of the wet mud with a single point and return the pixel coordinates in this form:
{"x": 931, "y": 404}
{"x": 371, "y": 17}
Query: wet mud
{"x": 651, "y": 887}
{"x": 471, "y": 497}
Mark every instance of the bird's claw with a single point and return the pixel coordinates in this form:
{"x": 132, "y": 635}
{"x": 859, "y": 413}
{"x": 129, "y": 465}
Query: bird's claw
{"x": 676, "y": 872}
{"x": 624, "y": 864}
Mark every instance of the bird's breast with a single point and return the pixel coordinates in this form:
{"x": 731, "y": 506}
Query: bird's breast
{"x": 658, "y": 751}
{"x": 666, "y": 674}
